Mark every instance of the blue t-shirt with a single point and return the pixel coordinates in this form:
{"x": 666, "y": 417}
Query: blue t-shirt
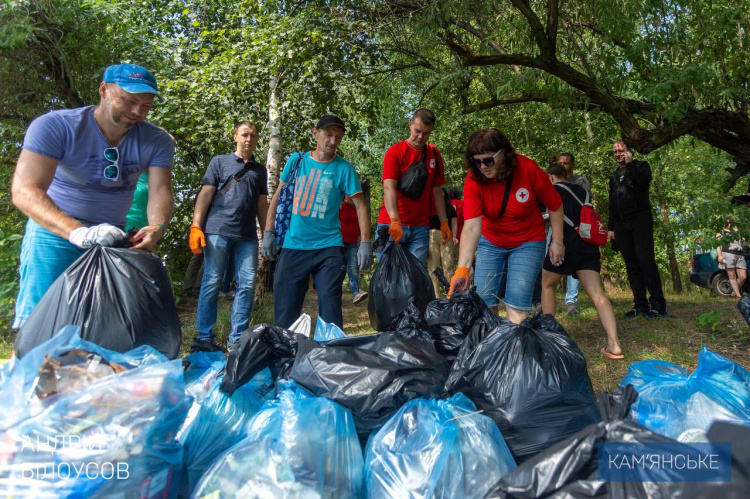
{"x": 318, "y": 194}
{"x": 79, "y": 188}
{"x": 233, "y": 213}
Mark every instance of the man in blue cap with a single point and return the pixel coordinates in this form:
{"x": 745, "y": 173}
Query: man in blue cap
{"x": 76, "y": 175}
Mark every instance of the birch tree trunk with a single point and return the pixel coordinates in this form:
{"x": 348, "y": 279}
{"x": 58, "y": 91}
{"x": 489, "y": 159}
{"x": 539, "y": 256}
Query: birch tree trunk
{"x": 275, "y": 158}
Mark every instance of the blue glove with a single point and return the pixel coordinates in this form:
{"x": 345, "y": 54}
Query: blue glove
{"x": 269, "y": 248}
{"x": 364, "y": 256}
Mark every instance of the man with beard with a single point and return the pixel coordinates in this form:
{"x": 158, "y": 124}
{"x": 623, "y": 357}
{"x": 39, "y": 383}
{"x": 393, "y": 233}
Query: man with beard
{"x": 76, "y": 176}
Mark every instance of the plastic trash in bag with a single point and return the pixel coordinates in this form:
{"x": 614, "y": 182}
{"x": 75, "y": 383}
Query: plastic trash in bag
{"x": 21, "y": 393}
{"x": 531, "y": 379}
{"x": 411, "y": 324}
{"x": 302, "y": 325}
{"x": 372, "y": 382}
{"x": 296, "y": 446}
{"x": 262, "y": 346}
{"x": 113, "y": 436}
{"x": 436, "y": 448}
{"x": 220, "y": 422}
{"x": 120, "y": 298}
{"x": 325, "y": 331}
{"x": 671, "y": 401}
{"x": 398, "y": 277}
{"x": 450, "y": 321}
{"x": 198, "y": 362}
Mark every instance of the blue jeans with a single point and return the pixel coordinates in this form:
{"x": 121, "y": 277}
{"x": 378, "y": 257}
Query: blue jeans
{"x": 523, "y": 263}
{"x": 44, "y": 257}
{"x": 352, "y": 269}
{"x": 571, "y": 295}
{"x": 290, "y": 280}
{"x": 416, "y": 240}
{"x": 217, "y": 252}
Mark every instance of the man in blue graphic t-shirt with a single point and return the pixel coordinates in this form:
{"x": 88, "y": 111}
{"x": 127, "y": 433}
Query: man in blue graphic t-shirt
{"x": 313, "y": 244}
{"x": 76, "y": 176}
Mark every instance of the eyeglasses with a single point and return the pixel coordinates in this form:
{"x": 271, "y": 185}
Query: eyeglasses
{"x": 488, "y": 162}
{"x": 112, "y": 170}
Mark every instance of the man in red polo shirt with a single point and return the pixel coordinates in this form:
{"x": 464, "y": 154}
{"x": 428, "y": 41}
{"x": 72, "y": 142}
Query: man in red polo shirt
{"x": 409, "y": 219}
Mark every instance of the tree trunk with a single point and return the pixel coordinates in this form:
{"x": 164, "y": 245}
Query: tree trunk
{"x": 674, "y": 268}
{"x": 275, "y": 158}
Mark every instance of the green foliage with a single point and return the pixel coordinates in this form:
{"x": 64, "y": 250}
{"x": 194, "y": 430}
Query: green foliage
{"x": 712, "y": 319}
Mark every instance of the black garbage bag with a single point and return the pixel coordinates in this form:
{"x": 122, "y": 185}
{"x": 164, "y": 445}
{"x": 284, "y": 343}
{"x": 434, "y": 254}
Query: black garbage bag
{"x": 530, "y": 378}
{"x": 372, "y": 382}
{"x": 262, "y": 346}
{"x": 616, "y": 405}
{"x": 744, "y": 307}
{"x": 570, "y": 468}
{"x": 411, "y": 324}
{"x": 450, "y": 321}
{"x": 399, "y": 276}
{"x": 120, "y": 298}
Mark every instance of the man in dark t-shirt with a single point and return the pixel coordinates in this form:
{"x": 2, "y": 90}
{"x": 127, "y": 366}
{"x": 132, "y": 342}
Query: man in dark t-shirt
{"x": 223, "y": 226}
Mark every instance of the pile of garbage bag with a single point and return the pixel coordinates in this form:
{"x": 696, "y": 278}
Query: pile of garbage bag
{"x": 678, "y": 404}
{"x": 120, "y": 298}
{"x": 530, "y": 378}
{"x": 296, "y": 446}
{"x": 87, "y": 422}
{"x": 436, "y": 448}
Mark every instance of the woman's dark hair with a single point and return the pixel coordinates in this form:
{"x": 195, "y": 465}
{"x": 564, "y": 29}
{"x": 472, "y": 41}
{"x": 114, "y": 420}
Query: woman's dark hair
{"x": 455, "y": 193}
{"x": 490, "y": 140}
{"x": 557, "y": 170}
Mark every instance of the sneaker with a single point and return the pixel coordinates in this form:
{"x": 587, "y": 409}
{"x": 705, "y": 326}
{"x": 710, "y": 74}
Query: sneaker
{"x": 572, "y": 309}
{"x": 362, "y": 295}
{"x": 228, "y": 294}
{"x": 635, "y": 312}
{"x": 205, "y": 346}
{"x": 655, "y": 314}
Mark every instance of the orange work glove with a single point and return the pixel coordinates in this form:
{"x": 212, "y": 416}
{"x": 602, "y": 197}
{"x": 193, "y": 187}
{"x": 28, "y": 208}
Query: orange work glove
{"x": 197, "y": 239}
{"x": 396, "y": 231}
{"x": 460, "y": 280}
{"x": 446, "y": 231}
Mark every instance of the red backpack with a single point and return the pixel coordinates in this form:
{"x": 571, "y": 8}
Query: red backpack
{"x": 591, "y": 229}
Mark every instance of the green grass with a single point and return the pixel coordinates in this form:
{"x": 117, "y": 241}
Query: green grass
{"x": 697, "y": 318}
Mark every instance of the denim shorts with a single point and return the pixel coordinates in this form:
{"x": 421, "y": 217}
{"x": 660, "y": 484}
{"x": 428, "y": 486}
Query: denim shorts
{"x": 523, "y": 262}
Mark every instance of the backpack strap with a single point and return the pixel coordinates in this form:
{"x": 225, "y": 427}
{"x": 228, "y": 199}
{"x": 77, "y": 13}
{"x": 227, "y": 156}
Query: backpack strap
{"x": 570, "y": 191}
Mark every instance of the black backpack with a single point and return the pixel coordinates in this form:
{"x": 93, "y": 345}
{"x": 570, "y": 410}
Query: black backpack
{"x": 413, "y": 182}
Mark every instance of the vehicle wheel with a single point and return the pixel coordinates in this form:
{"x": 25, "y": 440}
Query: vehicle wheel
{"x": 720, "y": 286}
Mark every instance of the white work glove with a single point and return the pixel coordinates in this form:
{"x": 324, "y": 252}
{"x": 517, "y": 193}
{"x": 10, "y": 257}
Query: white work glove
{"x": 102, "y": 234}
{"x": 269, "y": 248}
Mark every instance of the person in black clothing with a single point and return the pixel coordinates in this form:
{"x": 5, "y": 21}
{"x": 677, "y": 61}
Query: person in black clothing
{"x": 631, "y": 231}
{"x": 582, "y": 261}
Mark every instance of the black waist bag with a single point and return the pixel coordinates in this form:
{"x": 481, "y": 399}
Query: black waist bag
{"x": 413, "y": 181}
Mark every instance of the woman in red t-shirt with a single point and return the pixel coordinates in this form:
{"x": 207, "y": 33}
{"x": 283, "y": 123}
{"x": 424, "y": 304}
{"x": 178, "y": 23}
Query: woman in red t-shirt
{"x": 503, "y": 197}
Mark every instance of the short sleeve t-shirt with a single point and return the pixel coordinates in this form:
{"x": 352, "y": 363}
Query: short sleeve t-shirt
{"x": 318, "y": 193}
{"x": 79, "y": 188}
{"x": 522, "y": 221}
{"x": 398, "y": 158}
{"x": 233, "y": 213}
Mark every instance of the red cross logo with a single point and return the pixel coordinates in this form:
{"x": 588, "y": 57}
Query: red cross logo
{"x": 522, "y": 195}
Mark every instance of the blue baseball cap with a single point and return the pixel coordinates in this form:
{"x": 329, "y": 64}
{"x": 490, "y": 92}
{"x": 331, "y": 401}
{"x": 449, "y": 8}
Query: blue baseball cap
{"x": 133, "y": 79}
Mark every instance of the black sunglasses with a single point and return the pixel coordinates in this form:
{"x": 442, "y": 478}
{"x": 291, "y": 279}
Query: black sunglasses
{"x": 488, "y": 162}
{"x": 112, "y": 170}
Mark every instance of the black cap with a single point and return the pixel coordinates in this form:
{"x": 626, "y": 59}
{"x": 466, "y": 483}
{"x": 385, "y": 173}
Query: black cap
{"x": 330, "y": 120}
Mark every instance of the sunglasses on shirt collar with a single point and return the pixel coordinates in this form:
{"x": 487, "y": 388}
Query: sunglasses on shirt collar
{"x": 112, "y": 170}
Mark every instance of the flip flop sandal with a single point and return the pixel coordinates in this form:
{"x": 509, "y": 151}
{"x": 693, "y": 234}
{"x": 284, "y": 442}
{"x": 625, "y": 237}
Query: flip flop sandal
{"x": 610, "y": 355}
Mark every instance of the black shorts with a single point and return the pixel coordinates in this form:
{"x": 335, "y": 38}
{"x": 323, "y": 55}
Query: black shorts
{"x": 574, "y": 262}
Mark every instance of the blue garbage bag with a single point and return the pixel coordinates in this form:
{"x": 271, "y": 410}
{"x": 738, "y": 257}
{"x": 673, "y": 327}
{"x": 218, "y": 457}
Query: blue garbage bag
{"x": 325, "y": 331}
{"x": 298, "y": 445}
{"x": 671, "y": 401}
{"x": 18, "y": 383}
{"x": 221, "y": 422}
{"x": 198, "y": 363}
{"x": 111, "y": 437}
{"x": 436, "y": 448}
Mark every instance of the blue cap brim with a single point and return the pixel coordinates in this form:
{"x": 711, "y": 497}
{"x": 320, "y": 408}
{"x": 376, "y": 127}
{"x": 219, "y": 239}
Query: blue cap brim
{"x": 139, "y": 88}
